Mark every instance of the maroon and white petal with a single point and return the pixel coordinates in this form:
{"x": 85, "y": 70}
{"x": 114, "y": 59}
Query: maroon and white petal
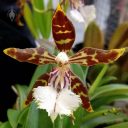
{"x": 92, "y": 56}
{"x": 36, "y": 56}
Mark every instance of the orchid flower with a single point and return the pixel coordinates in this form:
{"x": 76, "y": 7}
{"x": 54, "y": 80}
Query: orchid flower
{"x": 60, "y": 92}
{"x": 81, "y": 12}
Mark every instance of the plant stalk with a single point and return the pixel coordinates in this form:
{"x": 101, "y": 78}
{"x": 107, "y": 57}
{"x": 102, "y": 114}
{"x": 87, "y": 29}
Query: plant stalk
{"x": 98, "y": 79}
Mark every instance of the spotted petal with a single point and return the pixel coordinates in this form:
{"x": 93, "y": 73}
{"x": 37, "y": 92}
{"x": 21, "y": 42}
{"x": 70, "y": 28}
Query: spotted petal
{"x": 81, "y": 90}
{"x": 92, "y": 56}
{"x": 32, "y": 55}
{"x": 41, "y": 81}
{"x": 63, "y": 30}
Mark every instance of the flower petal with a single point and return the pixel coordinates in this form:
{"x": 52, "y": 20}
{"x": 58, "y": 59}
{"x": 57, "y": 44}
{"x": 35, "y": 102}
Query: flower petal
{"x": 75, "y": 14}
{"x": 88, "y": 13}
{"x": 32, "y": 55}
{"x": 54, "y": 102}
{"x": 78, "y": 87}
{"x": 45, "y": 98}
{"x": 59, "y": 78}
{"x": 92, "y": 56}
{"x": 67, "y": 102}
{"x": 63, "y": 30}
{"x": 41, "y": 81}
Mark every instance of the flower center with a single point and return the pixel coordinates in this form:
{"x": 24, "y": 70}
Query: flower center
{"x": 62, "y": 58}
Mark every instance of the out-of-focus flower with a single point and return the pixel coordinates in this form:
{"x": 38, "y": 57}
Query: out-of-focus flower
{"x": 60, "y": 91}
{"x": 76, "y": 4}
{"x": 81, "y": 12}
{"x": 84, "y": 14}
{"x": 75, "y": 14}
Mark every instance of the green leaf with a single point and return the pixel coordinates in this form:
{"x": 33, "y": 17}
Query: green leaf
{"x": 107, "y": 80}
{"x": 78, "y": 71}
{"x": 97, "y": 113}
{"x": 43, "y": 17}
{"x": 85, "y": 71}
{"x": 39, "y": 71}
{"x": 22, "y": 117}
{"x": 79, "y": 114}
{"x": 119, "y": 125}
{"x": 44, "y": 120}
{"x": 13, "y": 117}
{"x": 106, "y": 119}
{"x": 108, "y": 99}
{"x": 35, "y": 118}
{"x": 58, "y": 123}
{"x": 47, "y": 21}
{"x": 29, "y": 20}
{"x": 32, "y": 117}
{"x": 37, "y": 7}
{"x": 5, "y": 125}
{"x": 70, "y": 122}
{"x": 67, "y": 122}
{"x": 103, "y": 115}
{"x": 110, "y": 90}
{"x": 93, "y": 36}
{"x": 22, "y": 95}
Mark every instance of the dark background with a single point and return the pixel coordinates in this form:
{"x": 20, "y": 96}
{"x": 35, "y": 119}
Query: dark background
{"x": 11, "y": 71}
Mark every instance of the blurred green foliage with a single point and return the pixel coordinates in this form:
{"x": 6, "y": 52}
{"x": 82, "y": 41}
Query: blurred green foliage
{"x": 39, "y": 18}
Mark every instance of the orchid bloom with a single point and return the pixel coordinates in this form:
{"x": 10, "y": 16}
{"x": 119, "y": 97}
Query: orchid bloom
{"x": 82, "y": 13}
{"x": 85, "y": 14}
{"x": 61, "y": 91}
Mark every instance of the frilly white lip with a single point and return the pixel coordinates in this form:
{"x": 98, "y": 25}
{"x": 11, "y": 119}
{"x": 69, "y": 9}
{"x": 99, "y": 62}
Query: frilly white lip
{"x": 56, "y": 103}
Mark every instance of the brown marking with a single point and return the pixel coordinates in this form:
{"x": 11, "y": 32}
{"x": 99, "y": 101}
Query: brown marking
{"x": 94, "y": 56}
{"x": 80, "y": 90}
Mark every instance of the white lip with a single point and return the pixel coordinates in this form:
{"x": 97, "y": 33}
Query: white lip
{"x": 56, "y": 103}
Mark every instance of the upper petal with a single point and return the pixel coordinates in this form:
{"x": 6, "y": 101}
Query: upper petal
{"x": 93, "y": 56}
{"x": 62, "y": 30}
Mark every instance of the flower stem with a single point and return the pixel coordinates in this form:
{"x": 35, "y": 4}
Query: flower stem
{"x": 98, "y": 79}
{"x": 58, "y": 123}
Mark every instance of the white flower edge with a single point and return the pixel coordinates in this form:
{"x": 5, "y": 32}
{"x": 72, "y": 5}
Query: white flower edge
{"x": 86, "y": 14}
{"x": 56, "y": 103}
{"x": 75, "y": 14}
